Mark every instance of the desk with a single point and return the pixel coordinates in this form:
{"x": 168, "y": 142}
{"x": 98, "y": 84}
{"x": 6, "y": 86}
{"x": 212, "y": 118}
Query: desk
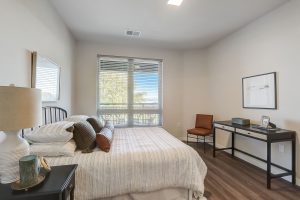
{"x": 268, "y": 136}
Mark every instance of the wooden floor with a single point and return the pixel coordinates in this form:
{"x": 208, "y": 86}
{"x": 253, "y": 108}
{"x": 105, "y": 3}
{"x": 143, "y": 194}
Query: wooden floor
{"x": 231, "y": 178}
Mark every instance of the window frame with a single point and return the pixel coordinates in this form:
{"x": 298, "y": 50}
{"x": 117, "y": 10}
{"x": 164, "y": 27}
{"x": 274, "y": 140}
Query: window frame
{"x": 131, "y": 111}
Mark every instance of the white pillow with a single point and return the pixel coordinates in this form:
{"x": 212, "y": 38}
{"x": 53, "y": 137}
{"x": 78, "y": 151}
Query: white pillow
{"x": 55, "y": 149}
{"x": 77, "y": 118}
{"x": 51, "y": 133}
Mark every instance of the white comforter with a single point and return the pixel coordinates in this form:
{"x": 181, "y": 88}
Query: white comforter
{"x": 140, "y": 160}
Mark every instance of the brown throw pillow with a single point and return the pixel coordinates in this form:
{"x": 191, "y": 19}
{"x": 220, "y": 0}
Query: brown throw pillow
{"x": 95, "y": 123}
{"x": 84, "y": 135}
{"x": 70, "y": 129}
{"x": 104, "y": 139}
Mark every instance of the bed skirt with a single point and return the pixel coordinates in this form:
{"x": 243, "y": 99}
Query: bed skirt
{"x": 164, "y": 194}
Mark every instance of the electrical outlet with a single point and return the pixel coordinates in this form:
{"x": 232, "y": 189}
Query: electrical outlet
{"x": 281, "y": 148}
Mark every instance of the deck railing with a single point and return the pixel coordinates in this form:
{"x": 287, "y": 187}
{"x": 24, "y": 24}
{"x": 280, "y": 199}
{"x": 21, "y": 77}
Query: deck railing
{"x": 142, "y": 114}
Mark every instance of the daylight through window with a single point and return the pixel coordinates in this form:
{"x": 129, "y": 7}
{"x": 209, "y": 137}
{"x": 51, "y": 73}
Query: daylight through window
{"x": 129, "y": 91}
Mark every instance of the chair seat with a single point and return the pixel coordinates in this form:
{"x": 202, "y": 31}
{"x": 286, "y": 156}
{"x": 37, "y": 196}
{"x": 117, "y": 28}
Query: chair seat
{"x": 199, "y": 131}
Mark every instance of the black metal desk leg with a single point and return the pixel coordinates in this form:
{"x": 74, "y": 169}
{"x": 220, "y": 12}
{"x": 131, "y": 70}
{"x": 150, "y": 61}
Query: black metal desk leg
{"x": 268, "y": 164}
{"x": 232, "y": 144}
{"x": 294, "y": 161}
{"x": 204, "y": 143}
{"x": 187, "y": 138}
{"x": 214, "y": 142}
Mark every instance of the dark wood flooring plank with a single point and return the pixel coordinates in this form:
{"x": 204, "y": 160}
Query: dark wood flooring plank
{"x": 234, "y": 179}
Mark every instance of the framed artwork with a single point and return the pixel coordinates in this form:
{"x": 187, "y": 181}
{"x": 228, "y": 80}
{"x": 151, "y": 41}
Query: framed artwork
{"x": 45, "y": 76}
{"x": 259, "y": 92}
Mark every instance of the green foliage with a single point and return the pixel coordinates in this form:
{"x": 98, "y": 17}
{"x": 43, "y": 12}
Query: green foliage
{"x": 139, "y": 97}
{"x": 114, "y": 89}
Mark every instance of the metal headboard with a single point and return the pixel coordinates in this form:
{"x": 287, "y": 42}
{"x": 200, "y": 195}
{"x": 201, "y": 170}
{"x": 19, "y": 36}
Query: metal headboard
{"x": 51, "y": 114}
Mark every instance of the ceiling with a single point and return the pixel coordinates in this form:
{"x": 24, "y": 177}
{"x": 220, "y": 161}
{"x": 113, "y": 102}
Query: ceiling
{"x": 195, "y": 24}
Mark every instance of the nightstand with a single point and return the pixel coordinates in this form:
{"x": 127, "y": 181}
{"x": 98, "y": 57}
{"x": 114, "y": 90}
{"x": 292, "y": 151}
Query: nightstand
{"x": 58, "y": 185}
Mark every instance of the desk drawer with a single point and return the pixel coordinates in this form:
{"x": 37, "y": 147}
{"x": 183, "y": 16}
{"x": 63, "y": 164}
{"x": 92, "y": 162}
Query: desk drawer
{"x": 252, "y": 134}
{"x": 224, "y": 127}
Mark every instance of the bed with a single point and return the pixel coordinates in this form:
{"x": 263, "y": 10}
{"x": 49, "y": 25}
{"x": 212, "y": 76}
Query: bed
{"x": 143, "y": 163}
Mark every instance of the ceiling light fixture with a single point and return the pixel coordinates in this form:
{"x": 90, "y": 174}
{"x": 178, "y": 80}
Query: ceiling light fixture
{"x": 175, "y": 2}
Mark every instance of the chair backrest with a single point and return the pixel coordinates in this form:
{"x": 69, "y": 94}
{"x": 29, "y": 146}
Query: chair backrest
{"x": 204, "y": 121}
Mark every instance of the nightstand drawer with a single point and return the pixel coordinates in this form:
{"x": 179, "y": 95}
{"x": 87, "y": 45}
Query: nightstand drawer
{"x": 252, "y": 134}
{"x": 224, "y": 127}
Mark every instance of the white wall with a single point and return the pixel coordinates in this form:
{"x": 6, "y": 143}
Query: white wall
{"x": 195, "y": 88}
{"x": 27, "y": 26}
{"x": 269, "y": 44}
{"x": 86, "y": 63}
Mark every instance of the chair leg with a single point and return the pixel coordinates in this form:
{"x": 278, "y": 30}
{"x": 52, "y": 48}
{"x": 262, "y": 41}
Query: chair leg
{"x": 204, "y": 143}
{"x": 187, "y": 138}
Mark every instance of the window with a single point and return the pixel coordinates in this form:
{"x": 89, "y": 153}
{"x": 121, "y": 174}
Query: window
{"x": 45, "y": 76}
{"x": 129, "y": 91}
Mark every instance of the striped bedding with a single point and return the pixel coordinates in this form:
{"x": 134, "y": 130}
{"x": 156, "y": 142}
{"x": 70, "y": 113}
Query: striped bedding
{"x": 140, "y": 160}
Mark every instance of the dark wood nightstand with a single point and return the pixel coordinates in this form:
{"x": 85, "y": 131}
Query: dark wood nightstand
{"x": 58, "y": 185}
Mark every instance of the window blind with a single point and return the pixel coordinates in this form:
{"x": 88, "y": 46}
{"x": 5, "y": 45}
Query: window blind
{"x": 129, "y": 91}
{"x": 47, "y": 79}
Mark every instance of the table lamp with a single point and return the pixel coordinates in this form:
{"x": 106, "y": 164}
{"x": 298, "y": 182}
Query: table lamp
{"x": 20, "y": 108}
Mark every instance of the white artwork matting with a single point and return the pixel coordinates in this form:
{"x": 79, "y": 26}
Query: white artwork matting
{"x": 260, "y": 91}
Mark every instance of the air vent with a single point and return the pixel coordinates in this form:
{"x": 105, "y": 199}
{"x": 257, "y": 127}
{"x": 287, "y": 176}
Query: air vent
{"x": 133, "y": 33}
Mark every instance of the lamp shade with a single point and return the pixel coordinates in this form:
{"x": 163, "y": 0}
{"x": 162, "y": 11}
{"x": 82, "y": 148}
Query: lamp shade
{"x": 19, "y": 108}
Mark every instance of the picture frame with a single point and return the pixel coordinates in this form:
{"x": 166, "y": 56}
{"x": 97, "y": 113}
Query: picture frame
{"x": 260, "y": 91}
{"x": 265, "y": 120}
{"x": 45, "y": 75}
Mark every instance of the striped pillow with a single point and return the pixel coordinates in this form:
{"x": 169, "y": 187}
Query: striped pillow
{"x": 104, "y": 139}
{"x": 109, "y": 125}
{"x": 53, "y": 149}
{"x": 84, "y": 135}
{"x": 51, "y": 133}
{"x": 77, "y": 118}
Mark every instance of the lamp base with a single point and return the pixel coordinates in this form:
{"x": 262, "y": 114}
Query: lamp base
{"x": 12, "y": 148}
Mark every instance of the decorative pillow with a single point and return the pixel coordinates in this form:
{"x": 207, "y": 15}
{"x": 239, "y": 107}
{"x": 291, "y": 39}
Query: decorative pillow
{"x": 109, "y": 125}
{"x": 104, "y": 139}
{"x": 50, "y": 133}
{"x": 53, "y": 149}
{"x": 77, "y": 118}
{"x": 84, "y": 135}
{"x": 95, "y": 123}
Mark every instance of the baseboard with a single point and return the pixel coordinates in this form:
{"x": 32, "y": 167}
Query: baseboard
{"x": 248, "y": 159}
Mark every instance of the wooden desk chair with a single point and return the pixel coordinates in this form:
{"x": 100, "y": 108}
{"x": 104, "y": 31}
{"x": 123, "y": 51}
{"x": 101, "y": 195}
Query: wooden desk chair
{"x": 203, "y": 127}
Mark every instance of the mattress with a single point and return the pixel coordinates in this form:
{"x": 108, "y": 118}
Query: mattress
{"x": 141, "y": 160}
